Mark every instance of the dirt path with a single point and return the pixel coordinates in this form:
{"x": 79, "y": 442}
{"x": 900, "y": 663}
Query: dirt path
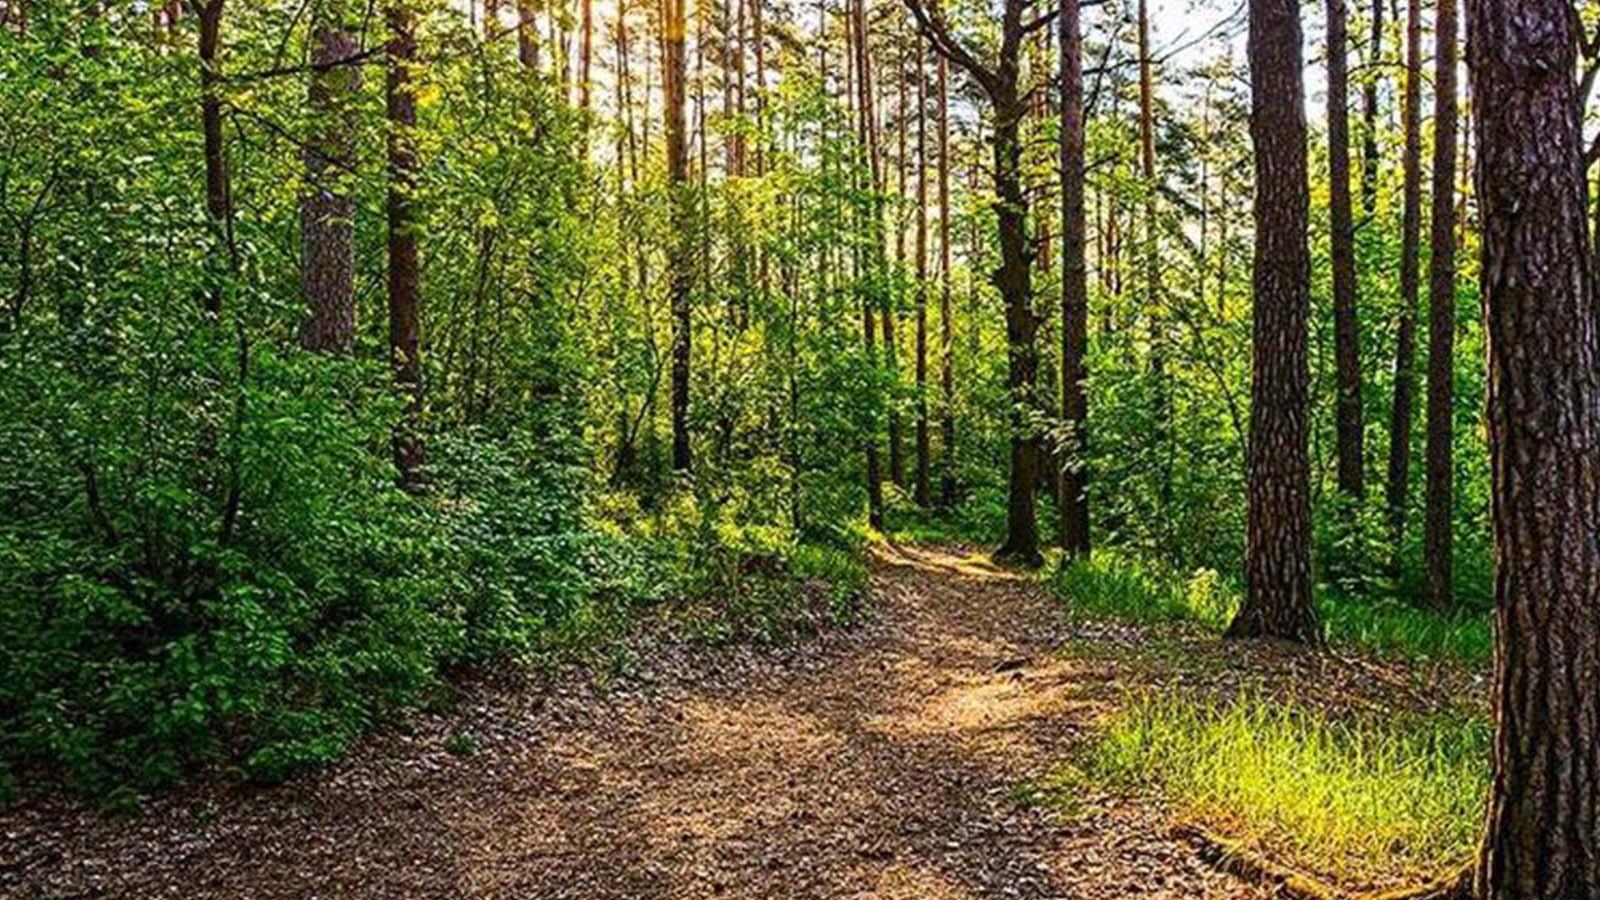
{"x": 880, "y": 762}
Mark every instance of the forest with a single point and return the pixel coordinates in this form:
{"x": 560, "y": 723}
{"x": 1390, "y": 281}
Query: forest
{"x": 800, "y": 448}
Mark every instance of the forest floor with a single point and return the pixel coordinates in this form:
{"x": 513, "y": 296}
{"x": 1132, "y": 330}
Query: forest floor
{"x": 891, "y": 760}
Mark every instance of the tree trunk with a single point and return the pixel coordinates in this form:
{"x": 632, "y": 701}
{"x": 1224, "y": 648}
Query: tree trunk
{"x": 947, "y": 378}
{"x": 1442, "y": 311}
{"x": 585, "y": 49}
{"x": 1542, "y": 839}
{"x": 866, "y": 259}
{"x": 1405, "y": 376}
{"x": 1369, "y": 114}
{"x": 924, "y": 491}
{"x": 1346, "y": 336}
{"x": 1161, "y": 412}
{"x": 1278, "y": 544}
{"x": 1074, "y": 486}
{"x": 673, "y": 25}
{"x": 219, "y": 201}
{"x": 328, "y": 206}
{"x": 1014, "y": 279}
{"x": 404, "y": 289}
{"x": 527, "y": 36}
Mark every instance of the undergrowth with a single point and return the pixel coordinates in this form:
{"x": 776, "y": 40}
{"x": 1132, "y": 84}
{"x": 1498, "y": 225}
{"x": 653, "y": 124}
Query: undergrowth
{"x": 1115, "y": 585}
{"x": 1354, "y": 798}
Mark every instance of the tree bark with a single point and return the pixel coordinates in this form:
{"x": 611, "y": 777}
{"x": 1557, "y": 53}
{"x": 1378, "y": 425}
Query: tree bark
{"x": 923, "y": 493}
{"x": 328, "y": 206}
{"x": 674, "y": 24}
{"x": 1074, "y": 485}
{"x": 1542, "y": 839}
{"x": 219, "y": 199}
{"x": 1442, "y": 312}
{"x": 1278, "y": 543}
{"x": 1013, "y": 278}
{"x": 404, "y": 287}
{"x": 866, "y": 259}
{"x": 1346, "y": 336}
{"x": 527, "y": 37}
{"x": 1405, "y": 375}
{"x": 947, "y": 378}
{"x": 1369, "y": 114}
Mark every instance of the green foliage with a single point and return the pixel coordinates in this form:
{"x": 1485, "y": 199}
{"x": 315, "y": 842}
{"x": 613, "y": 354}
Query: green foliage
{"x": 1356, "y": 797}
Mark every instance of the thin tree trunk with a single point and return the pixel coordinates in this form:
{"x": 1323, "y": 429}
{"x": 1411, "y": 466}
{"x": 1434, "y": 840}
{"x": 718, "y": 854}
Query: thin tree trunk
{"x": 947, "y": 378}
{"x": 1442, "y": 312}
{"x": 1074, "y": 486}
{"x": 585, "y": 50}
{"x": 857, "y": 38}
{"x": 1278, "y": 542}
{"x": 1369, "y": 114}
{"x": 1405, "y": 376}
{"x": 219, "y": 200}
{"x": 328, "y": 205}
{"x": 1542, "y": 839}
{"x": 527, "y": 36}
{"x": 1149, "y": 250}
{"x": 404, "y": 287}
{"x": 1346, "y": 335}
{"x": 673, "y": 26}
{"x": 923, "y": 493}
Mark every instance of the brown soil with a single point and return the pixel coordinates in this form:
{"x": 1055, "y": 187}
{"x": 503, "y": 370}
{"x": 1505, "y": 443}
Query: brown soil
{"x": 884, "y": 761}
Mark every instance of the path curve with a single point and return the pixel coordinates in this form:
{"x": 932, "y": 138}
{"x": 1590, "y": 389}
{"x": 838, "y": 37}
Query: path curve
{"x": 879, "y": 762}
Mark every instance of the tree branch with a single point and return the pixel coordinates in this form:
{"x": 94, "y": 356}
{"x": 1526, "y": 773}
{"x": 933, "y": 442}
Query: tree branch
{"x": 933, "y": 26}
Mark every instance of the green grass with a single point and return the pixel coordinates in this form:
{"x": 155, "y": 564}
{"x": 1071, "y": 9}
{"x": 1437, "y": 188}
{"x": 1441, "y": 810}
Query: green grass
{"x": 1355, "y": 799}
{"x": 1114, "y": 585}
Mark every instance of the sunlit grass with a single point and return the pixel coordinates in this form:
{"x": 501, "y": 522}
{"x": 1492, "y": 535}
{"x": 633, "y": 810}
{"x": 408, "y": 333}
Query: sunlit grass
{"x": 1355, "y": 799}
{"x": 1113, "y": 585}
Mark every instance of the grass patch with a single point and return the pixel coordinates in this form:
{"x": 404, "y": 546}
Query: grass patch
{"x": 1115, "y": 585}
{"x": 1357, "y": 799}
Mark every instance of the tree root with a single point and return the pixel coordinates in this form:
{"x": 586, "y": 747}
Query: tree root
{"x": 1237, "y": 859}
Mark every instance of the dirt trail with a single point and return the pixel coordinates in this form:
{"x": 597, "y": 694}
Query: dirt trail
{"x": 880, "y": 762}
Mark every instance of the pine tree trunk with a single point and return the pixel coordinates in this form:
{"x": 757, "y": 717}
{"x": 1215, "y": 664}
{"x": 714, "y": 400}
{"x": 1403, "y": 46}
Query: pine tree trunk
{"x": 527, "y": 36}
{"x": 1542, "y": 839}
{"x": 404, "y": 286}
{"x": 947, "y": 378}
{"x": 1014, "y": 279}
{"x": 1278, "y": 543}
{"x": 1442, "y": 312}
{"x": 1074, "y": 487}
{"x": 923, "y": 493}
{"x": 674, "y": 24}
{"x": 1346, "y": 336}
{"x": 1369, "y": 114}
{"x": 328, "y": 205}
{"x": 1402, "y": 411}
{"x": 219, "y": 201}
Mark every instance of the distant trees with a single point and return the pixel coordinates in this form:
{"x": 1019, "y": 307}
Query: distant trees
{"x": 1278, "y": 556}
